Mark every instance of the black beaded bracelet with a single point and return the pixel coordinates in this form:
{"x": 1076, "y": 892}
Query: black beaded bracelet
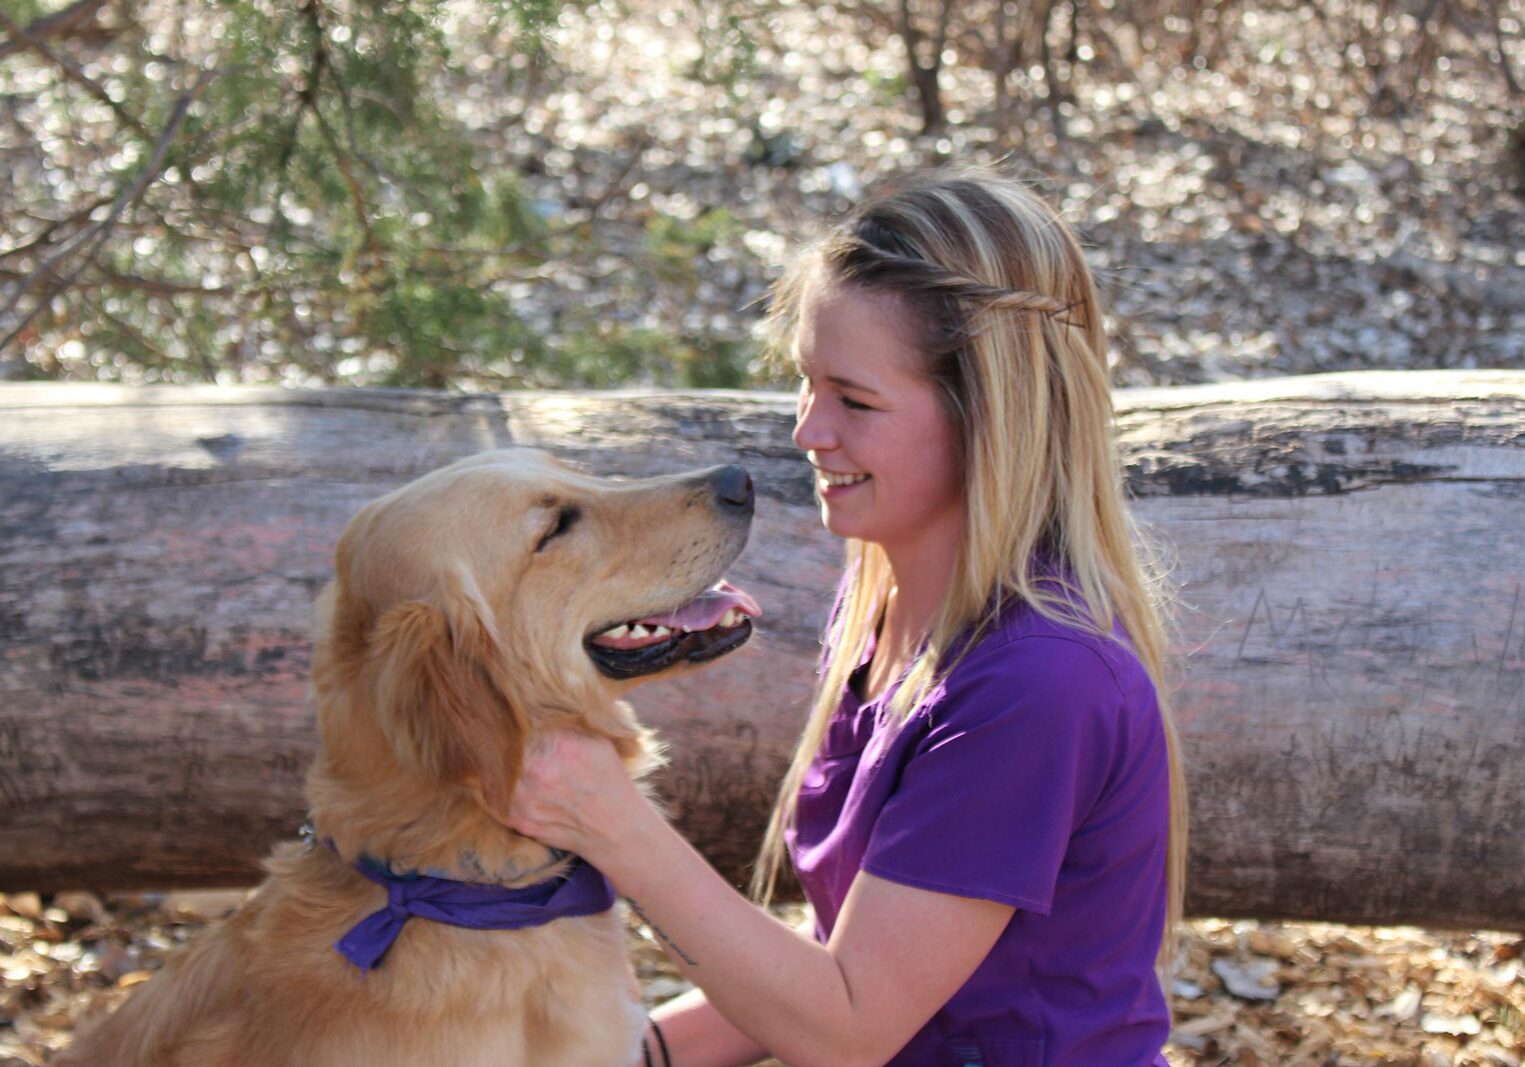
{"x": 667, "y": 1060}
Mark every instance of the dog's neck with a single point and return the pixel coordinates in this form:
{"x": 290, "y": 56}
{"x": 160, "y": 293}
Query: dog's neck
{"x": 469, "y": 867}
{"x": 412, "y": 829}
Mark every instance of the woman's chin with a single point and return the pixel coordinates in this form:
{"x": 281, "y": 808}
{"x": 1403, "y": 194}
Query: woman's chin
{"x": 844, "y": 526}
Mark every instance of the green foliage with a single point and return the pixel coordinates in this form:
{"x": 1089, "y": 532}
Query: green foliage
{"x": 611, "y": 355}
{"x": 713, "y": 363}
{"x": 728, "y": 47}
{"x": 322, "y": 212}
{"x": 379, "y": 210}
{"x": 23, "y": 11}
{"x": 675, "y": 244}
{"x": 887, "y": 88}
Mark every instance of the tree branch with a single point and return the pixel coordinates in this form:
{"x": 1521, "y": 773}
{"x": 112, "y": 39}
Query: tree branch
{"x": 102, "y": 230}
{"x": 46, "y": 235}
{"x": 351, "y": 182}
{"x": 1498, "y": 42}
{"x": 70, "y": 19}
{"x": 307, "y": 100}
{"x": 133, "y": 332}
{"x": 75, "y": 73}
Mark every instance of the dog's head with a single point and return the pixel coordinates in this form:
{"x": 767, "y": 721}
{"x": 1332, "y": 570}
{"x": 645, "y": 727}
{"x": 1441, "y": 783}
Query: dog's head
{"x": 509, "y": 592}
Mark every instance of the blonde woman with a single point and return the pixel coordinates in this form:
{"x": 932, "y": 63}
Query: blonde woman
{"x": 986, "y": 809}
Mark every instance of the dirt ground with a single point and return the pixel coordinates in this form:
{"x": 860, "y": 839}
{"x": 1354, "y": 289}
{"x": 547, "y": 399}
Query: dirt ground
{"x": 1248, "y": 993}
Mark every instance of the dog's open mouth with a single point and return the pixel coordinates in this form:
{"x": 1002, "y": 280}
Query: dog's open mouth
{"x": 712, "y": 624}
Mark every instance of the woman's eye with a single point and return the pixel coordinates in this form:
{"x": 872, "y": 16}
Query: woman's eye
{"x": 566, "y": 518}
{"x": 853, "y": 405}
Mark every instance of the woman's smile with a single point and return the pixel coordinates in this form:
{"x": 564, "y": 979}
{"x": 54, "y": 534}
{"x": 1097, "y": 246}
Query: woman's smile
{"x": 833, "y": 485}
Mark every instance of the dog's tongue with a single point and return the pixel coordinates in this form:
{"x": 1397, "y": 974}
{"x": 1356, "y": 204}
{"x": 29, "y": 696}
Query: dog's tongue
{"x": 706, "y": 609}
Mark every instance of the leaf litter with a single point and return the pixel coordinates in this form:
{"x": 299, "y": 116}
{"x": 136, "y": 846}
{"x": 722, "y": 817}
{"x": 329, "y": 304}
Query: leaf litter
{"x": 1246, "y": 993}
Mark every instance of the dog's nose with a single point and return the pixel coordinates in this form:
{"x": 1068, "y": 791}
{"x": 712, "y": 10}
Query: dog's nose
{"x": 733, "y": 488}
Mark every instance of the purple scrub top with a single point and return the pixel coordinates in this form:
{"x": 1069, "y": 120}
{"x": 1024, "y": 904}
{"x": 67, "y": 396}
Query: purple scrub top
{"x": 1035, "y": 775}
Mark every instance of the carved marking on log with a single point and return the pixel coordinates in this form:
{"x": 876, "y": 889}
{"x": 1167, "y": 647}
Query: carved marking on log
{"x": 1407, "y": 640}
{"x": 10, "y": 756}
{"x": 1514, "y": 611}
{"x": 723, "y": 790}
{"x": 30, "y": 768}
{"x": 192, "y": 750}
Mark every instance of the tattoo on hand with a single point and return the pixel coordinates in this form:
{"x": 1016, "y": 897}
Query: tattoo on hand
{"x": 673, "y": 945}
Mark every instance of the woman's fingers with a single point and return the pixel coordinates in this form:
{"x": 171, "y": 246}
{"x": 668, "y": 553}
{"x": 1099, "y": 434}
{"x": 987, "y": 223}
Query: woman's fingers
{"x": 570, "y": 791}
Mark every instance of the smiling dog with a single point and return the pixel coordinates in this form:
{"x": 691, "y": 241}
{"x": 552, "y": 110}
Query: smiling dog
{"x": 503, "y": 595}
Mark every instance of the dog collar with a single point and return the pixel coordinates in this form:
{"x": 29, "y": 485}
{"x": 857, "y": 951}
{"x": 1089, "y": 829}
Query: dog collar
{"x": 582, "y": 890}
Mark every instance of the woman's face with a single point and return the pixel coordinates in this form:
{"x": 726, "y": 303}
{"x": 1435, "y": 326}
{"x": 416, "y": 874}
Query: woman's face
{"x": 872, "y": 425}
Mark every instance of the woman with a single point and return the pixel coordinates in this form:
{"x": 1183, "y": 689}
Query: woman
{"x": 986, "y": 809}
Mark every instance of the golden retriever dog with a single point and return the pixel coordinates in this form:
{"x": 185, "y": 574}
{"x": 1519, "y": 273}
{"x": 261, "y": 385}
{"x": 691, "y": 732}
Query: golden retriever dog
{"x": 500, "y": 596}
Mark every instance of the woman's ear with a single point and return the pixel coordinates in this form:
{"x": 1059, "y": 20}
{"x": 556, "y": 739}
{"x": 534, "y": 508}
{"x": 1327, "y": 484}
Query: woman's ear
{"x": 441, "y": 695}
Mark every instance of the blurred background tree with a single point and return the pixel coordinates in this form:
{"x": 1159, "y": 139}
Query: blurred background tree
{"x": 522, "y": 193}
{"x": 255, "y": 188}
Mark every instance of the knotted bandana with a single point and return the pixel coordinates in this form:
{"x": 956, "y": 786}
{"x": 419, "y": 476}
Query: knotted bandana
{"x": 583, "y": 890}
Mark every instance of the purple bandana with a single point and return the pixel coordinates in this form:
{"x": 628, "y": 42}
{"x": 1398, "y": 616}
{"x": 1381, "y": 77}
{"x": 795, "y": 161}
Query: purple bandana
{"x": 583, "y": 890}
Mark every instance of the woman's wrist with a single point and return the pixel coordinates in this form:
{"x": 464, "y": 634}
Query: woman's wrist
{"x": 654, "y": 1051}
{"x": 622, "y": 850}
{"x": 574, "y": 794}
{"x": 697, "y": 1035}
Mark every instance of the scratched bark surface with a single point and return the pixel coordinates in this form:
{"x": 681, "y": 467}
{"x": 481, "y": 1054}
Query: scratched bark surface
{"x": 1347, "y": 548}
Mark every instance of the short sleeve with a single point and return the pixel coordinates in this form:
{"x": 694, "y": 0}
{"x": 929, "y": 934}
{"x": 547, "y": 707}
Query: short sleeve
{"x": 1016, "y": 751}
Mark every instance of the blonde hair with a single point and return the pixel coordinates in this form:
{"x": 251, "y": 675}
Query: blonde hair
{"x": 1013, "y": 338}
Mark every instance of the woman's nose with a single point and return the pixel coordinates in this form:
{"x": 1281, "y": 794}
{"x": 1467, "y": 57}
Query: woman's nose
{"x": 811, "y": 432}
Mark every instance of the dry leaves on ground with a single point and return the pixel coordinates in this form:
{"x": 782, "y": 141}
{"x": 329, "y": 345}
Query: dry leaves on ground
{"x": 1249, "y": 993}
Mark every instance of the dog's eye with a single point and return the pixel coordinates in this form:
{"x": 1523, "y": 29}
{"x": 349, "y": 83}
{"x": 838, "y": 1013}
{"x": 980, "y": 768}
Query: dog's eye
{"x": 566, "y": 518}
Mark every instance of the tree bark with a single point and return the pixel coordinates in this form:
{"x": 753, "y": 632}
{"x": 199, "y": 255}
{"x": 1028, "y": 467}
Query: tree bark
{"x": 924, "y": 65}
{"x": 1351, "y": 624}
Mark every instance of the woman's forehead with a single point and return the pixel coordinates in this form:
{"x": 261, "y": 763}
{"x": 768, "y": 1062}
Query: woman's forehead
{"x": 845, "y": 330}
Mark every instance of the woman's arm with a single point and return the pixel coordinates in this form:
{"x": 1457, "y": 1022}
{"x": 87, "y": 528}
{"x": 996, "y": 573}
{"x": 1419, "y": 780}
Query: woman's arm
{"x": 896, "y": 955}
{"x": 699, "y": 1036}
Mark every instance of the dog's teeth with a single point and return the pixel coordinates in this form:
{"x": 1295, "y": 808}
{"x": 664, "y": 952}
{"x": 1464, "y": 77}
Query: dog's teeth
{"x": 660, "y": 631}
{"x": 619, "y": 631}
{"x": 638, "y": 630}
{"x": 728, "y": 619}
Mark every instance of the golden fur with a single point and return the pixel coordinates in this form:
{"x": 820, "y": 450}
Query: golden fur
{"x": 445, "y": 641}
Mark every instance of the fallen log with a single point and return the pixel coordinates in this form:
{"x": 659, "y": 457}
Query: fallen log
{"x": 1347, "y": 549}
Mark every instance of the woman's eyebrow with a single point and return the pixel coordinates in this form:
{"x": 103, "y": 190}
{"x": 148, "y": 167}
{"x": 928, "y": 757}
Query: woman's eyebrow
{"x": 848, "y": 383}
{"x": 838, "y": 380}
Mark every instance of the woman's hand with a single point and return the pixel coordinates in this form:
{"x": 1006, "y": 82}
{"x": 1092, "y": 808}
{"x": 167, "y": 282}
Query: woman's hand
{"x": 574, "y": 793}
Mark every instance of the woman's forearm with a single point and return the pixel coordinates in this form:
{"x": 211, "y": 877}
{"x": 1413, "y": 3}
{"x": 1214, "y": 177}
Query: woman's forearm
{"x": 897, "y": 951}
{"x": 780, "y": 989}
{"x": 697, "y": 1035}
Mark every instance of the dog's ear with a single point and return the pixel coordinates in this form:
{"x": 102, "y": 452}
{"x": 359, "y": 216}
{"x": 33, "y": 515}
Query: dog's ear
{"x": 441, "y": 694}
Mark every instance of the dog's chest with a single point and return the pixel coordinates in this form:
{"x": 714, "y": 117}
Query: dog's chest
{"x": 605, "y": 1040}
{"x": 557, "y": 995}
